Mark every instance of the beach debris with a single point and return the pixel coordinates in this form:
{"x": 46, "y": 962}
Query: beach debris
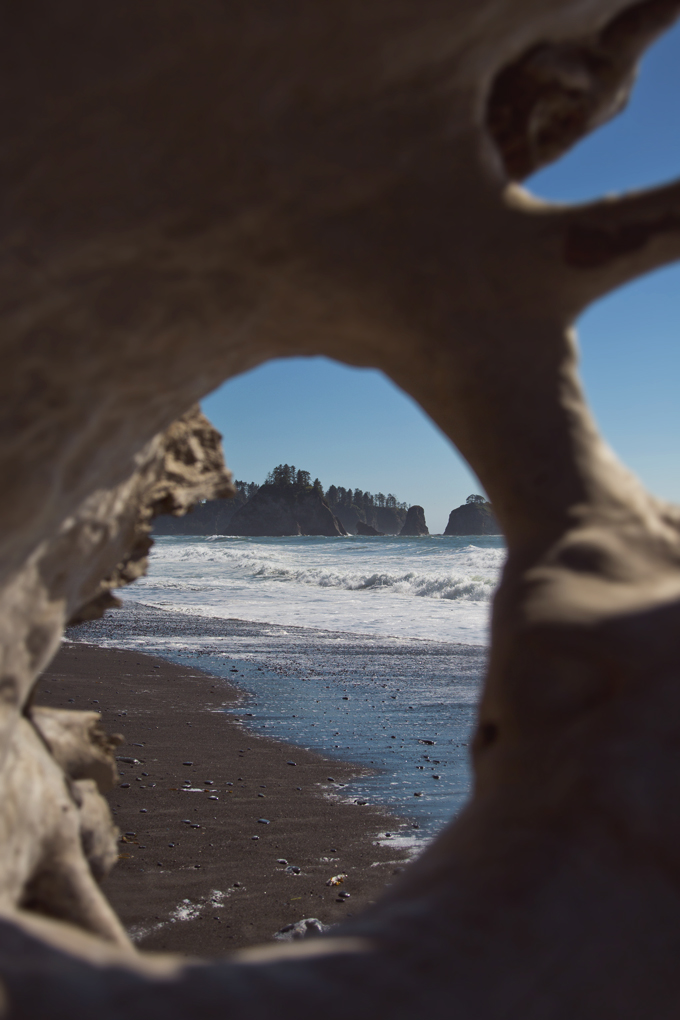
{"x": 291, "y": 763}
{"x": 264, "y": 821}
{"x": 293, "y": 869}
{"x": 307, "y": 928}
{"x": 337, "y": 879}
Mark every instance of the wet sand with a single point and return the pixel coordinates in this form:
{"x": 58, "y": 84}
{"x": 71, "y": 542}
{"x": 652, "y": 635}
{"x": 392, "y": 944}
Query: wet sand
{"x": 209, "y": 811}
{"x": 403, "y": 710}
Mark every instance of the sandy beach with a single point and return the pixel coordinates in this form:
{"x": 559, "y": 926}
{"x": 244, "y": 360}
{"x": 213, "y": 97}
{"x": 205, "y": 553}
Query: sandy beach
{"x": 402, "y": 709}
{"x": 226, "y": 836}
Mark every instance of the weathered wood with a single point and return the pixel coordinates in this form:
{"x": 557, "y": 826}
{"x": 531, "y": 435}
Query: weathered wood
{"x": 191, "y": 187}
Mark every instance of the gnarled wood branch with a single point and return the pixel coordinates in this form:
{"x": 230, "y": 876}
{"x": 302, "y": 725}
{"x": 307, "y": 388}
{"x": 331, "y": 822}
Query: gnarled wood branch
{"x": 599, "y": 246}
{"x": 192, "y": 188}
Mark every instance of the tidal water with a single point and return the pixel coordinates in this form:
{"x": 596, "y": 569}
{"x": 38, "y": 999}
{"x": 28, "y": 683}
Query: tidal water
{"x": 433, "y": 587}
{"x": 369, "y": 650}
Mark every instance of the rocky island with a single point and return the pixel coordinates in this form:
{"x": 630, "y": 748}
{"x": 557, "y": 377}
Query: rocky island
{"x": 474, "y": 517}
{"x": 286, "y": 506}
{"x": 210, "y": 517}
{"x": 289, "y": 503}
{"x": 414, "y": 524}
{"x": 368, "y": 530}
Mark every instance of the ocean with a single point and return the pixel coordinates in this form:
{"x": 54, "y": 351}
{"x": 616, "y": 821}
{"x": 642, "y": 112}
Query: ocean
{"x": 433, "y": 587}
{"x": 366, "y": 649}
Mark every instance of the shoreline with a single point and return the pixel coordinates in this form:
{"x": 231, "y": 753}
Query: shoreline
{"x": 213, "y": 808}
{"x": 402, "y": 710}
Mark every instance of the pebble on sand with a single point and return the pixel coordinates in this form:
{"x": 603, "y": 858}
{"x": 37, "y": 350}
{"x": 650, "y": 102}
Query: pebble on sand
{"x": 337, "y": 879}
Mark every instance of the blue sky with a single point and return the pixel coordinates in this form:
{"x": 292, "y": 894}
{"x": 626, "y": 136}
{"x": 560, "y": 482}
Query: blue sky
{"x": 354, "y": 427}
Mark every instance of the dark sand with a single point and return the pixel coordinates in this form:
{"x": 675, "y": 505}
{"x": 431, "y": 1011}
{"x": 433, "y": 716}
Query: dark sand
{"x": 217, "y": 888}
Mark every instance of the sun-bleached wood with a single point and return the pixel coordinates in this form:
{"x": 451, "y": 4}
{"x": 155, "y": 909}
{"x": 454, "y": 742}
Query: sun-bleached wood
{"x": 192, "y": 187}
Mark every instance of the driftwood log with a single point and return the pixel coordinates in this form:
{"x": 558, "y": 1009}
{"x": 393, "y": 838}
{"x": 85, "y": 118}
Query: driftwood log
{"x": 191, "y": 187}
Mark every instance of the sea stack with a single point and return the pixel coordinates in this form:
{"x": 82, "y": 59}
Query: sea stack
{"x": 278, "y": 510}
{"x": 415, "y": 522}
{"x": 366, "y": 529}
{"x": 474, "y": 517}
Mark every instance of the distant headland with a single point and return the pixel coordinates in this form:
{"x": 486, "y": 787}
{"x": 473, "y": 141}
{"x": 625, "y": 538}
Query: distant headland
{"x": 290, "y": 503}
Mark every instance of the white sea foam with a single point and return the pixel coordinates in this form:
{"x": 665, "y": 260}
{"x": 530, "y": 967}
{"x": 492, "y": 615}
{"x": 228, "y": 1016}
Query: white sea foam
{"x": 434, "y": 588}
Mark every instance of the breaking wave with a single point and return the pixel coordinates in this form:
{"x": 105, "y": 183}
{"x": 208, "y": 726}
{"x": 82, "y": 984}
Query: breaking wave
{"x": 407, "y": 587}
{"x": 476, "y": 588}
